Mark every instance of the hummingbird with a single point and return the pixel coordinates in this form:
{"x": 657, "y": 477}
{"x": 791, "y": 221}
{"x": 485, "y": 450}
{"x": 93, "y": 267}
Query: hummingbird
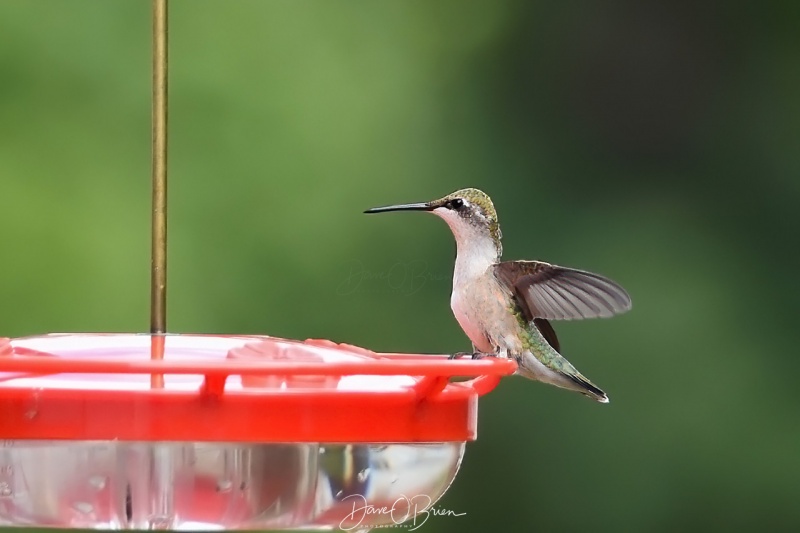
{"x": 505, "y": 307}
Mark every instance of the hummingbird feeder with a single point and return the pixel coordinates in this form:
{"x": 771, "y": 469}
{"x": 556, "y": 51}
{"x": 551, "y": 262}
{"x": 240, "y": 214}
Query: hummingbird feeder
{"x": 199, "y": 432}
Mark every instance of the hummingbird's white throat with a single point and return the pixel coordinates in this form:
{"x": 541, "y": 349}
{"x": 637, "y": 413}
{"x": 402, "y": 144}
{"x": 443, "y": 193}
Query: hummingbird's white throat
{"x": 476, "y": 250}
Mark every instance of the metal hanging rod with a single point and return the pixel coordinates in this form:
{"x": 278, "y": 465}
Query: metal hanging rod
{"x": 158, "y": 270}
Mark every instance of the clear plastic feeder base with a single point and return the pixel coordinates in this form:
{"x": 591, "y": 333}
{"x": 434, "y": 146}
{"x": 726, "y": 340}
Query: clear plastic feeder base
{"x": 200, "y": 432}
{"x": 202, "y": 486}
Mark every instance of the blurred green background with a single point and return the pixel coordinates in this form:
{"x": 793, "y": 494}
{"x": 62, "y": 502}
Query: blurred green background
{"x": 654, "y": 142}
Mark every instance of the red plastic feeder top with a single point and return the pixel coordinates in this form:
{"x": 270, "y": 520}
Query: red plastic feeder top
{"x": 234, "y": 388}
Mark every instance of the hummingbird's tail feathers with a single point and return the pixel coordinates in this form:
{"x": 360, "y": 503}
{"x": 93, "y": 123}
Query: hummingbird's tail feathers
{"x": 559, "y": 372}
{"x": 587, "y": 388}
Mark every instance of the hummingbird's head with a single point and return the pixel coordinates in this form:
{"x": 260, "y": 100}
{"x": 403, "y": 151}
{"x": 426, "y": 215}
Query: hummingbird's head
{"x": 470, "y": 215}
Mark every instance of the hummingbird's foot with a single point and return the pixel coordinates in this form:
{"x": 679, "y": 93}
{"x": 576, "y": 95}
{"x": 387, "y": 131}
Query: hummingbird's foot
{"x": 474, "y": 356}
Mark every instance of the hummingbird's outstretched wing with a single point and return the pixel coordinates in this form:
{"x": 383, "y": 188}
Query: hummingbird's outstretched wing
{"x": 559, "y": 293}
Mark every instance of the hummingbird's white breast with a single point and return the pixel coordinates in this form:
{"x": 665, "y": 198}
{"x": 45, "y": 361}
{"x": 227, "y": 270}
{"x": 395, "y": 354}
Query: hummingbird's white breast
{"x": 470, "y": 326}
{"x": 482, "y": 308}
{"x": 480, "y": 303}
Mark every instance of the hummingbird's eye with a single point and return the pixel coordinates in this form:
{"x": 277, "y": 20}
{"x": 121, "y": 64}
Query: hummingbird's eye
{"x": 456, "y": 203}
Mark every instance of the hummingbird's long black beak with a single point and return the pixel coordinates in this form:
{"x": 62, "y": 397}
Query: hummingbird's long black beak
{"x": 402, "y": 207}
